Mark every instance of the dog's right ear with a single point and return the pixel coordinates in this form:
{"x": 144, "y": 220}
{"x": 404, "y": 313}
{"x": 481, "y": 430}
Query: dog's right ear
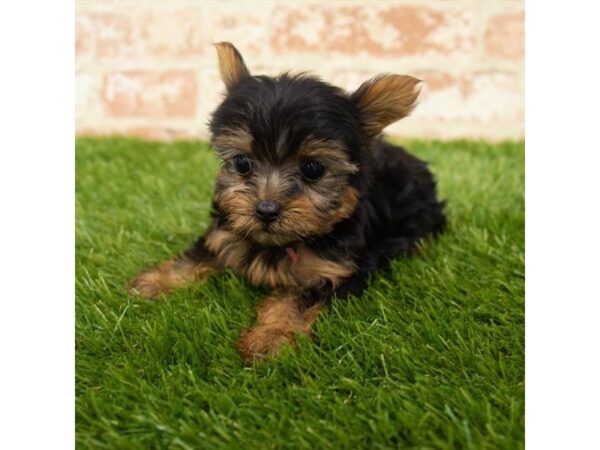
{"x": 385, "y": 99}
{"x": 231, "y": 64}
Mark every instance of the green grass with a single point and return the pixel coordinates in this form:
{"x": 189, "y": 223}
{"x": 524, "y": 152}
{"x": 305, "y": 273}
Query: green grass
{"x": 430, "y": 357}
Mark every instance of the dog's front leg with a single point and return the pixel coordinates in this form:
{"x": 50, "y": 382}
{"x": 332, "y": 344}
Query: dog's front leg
{"x": 195, "y": 264}
{"x": 279, "y": 318}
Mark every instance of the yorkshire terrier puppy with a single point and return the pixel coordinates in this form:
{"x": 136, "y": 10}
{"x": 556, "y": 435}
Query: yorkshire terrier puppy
{"x": 309, "y": 200}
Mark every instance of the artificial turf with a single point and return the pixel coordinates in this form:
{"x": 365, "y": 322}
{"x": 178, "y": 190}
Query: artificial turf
{"x": 430, "y": 357}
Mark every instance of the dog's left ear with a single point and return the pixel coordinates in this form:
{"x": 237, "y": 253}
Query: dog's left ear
{"x": 231, "y": 64}
{"x": 386, "y": 99}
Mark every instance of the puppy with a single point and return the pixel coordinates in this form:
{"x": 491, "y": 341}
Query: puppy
{"x": 309, "y": 200}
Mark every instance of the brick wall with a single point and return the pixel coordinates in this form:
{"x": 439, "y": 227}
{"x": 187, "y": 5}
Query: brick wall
{"x": 148, "y": 68}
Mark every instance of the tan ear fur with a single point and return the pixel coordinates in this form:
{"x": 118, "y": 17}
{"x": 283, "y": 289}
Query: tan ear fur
{"x": 386, "y": 99}
{"x": 231, "y": 64}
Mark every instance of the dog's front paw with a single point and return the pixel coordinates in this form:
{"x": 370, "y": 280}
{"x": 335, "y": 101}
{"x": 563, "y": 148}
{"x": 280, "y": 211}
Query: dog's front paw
{"x": 262, "y": 341}
{"x": 149, "y": 284}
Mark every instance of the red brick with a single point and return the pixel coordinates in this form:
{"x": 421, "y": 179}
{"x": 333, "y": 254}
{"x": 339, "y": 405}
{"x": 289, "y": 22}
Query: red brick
{"x": 154, "y": 133}
{"x": 150, "y": 94}
{"x": 111, "y": 34}
{"x": 246, "y": 31}
{"x": 505, "y": 36}
{"x": 121, "y": 35}
{"x": 439, "y": 81}
{"x": 477, "y": 97}
{"x": 390, "y": 31}
{"x": 83, "y": 37}
{"x": 174, "y": 34}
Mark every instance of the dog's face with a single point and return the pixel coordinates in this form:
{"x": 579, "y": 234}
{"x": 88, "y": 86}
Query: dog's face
{"x": 294, "y": 149}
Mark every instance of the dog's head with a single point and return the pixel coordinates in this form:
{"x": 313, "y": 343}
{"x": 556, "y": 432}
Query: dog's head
{"x": 294, "y": 148}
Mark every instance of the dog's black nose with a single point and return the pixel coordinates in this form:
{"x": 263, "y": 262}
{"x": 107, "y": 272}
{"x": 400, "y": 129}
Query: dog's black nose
{"x": 267, "y": 211}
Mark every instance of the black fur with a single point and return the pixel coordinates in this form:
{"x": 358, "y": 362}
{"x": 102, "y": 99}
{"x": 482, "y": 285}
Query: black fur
{"x": 398, "y": 203}
{"x": 398, "y": 209}
{"x": 283, "y": 111}
{"x": 370, "y": 201}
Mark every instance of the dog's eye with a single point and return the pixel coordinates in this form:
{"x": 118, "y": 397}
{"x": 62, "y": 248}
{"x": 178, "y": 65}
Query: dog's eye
{"x": 311, "y": 170}
{"x": 242, "y": 164}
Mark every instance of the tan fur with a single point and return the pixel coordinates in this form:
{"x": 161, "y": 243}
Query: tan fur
{"x": 231, "y": 64}
{"x": 236, "y": 202}
{"x": 172, "y": 274}
{"x": 230, "y": 252}
{"x": 386, "y": 99}
{"x": 229, "y": 249}
{"x": 309, "y": 269}
{"x": 278, "y": 320}
{"x": 301, "y": 213}
{"x": 300, "y": 216}
{"x": 240, "y": 206}
{"x": 349, "y": 202}
{"x": 331, "y": 154}
{"x": 233, "y": 142}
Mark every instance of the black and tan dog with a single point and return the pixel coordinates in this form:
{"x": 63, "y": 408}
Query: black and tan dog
{"x": 309, "y": 199}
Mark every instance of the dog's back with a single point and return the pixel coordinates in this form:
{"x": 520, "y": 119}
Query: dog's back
{"x": 399, "y": 208}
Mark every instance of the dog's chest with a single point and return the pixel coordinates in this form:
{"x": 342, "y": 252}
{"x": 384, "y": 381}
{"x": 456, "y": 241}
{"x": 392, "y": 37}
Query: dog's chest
{"x": 291, "y": 267}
